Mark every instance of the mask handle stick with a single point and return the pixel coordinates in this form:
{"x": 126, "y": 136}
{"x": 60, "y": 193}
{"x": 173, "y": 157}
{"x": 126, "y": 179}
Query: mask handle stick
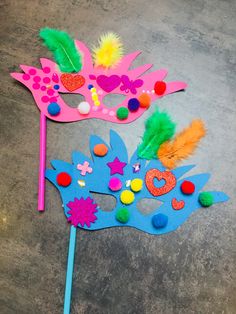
{"x": 42, "y": 161}
{"x": 70, "y": 269}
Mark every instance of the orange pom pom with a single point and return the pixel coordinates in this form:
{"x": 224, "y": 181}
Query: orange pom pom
{"x": 100, "y": 150}
{"x": 144, "y": 100}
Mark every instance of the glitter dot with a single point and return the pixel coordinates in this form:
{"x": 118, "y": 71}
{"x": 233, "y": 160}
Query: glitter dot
{"x": 45, "y": 99}
{"x": 36, "y": 86}
{"x": 50, "y": 92}
{"x": 46, "y": 70}
{"x": 43, "y": 88}
{"x": 104, "y": 111}
{"x": 37, "y": 79}
{"x": 111, "y": 113}
{"x": 46, "y": 80}
{"x": 56, "y": 87}
{"x": 53, "y": 99}
{"x": 32, "y": 71}
{"x": 26, "y": 77}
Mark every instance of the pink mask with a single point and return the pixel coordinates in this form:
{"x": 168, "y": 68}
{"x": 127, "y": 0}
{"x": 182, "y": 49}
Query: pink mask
{"x": 94, "y": 83}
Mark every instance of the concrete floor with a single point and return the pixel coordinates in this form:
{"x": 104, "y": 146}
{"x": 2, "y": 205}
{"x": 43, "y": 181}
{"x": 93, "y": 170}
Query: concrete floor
{"x": 120, "y": 271}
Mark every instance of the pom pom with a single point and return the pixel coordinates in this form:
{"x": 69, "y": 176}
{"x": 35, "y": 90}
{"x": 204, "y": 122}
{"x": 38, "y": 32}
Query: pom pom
{"x": 160, "y": 88}
{"x": 127, "y": 197}
{"x": 159, "y": 221}
{"x": 206, "y": 199}
{"x": 63, "y": 179}
{"x": 144, "y": 100}
{"x": 122, "y": 215}
{"x": 84, "y": 107}
{"x": 136, "y": 185}
{"x": 133, "y": 104}
{"x": 54, "y": 109}
{"x": 122, "y": 113}
{"x": 115, "y": 184}
{"x": 187, "y": 187}
{"x": 109, "y": 52}
{"x": 100, "y": 150}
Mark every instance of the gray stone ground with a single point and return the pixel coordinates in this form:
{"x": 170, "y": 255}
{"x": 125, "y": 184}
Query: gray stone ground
{"x": 120, "y": 271}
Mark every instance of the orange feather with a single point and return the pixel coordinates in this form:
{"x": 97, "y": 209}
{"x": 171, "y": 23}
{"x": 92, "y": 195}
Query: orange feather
{"x": 183, "y": 145}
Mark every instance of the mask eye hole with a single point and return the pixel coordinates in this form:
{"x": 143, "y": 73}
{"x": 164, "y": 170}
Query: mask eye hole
{"x": 113, "y": 100}
{"x": 148, "y": 205}
{"x": 72, "y": 100}
{"x": 106, "y": 202}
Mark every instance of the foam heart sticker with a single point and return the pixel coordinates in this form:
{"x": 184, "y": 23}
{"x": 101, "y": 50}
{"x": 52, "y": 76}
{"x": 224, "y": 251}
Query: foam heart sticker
{"x": 177, "y": 205}
{"x": 72, "y": 82}
{"x": 170, "y": 181}
{"x": 108, "y": 83}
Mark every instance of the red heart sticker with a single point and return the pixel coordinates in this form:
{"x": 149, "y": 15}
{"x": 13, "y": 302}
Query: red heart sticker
{"x": 177, "y": 205}
{"x": 170, "y": 181}
{"x": 72, "y": 82}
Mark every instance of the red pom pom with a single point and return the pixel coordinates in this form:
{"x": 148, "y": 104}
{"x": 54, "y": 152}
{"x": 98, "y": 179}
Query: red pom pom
{"x": 63, "y": 179}
{"x": 160, "y": 88}
{"x": 187, "y": 187}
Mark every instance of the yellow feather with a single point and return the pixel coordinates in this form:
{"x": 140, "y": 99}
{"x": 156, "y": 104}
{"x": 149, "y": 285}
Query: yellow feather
{"x": 109, "y": 52}
{"x": 182, "y": 146}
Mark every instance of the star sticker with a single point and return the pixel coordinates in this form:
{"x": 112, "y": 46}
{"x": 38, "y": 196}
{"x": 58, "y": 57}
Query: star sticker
{"x": 116, "y": 166}
{"x": 84, "y": 168}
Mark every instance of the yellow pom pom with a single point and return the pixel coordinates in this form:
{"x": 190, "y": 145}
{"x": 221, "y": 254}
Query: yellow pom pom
{"x": 93, "y": 90}
{"x": 97, "y": 103}
{"x": 136, "y": 185}
{"x": 127, "y": 197}
{"x": 109, "y": 52}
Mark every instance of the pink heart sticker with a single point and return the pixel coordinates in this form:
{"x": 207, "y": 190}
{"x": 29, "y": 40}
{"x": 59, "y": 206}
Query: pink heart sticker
{"x": 108, "y": 83}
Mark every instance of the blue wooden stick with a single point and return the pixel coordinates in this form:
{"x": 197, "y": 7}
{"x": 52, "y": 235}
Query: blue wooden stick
{"x": 70, "y": 268}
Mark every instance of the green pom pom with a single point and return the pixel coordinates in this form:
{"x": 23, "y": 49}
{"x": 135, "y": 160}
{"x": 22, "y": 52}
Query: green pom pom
{"x": 206, "y": 199}
{"x": 122, "y": 215}
{"x": 122, "y": 113}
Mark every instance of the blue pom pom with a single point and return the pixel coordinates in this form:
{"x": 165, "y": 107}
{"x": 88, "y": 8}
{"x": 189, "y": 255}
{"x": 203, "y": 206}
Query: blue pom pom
{"x": 90, "y": 86}
{"x": 54, "y": 109}
{"x": 56, "y": 87}
{"x": 159, "y": 221}
{"x": 133, "y": 104}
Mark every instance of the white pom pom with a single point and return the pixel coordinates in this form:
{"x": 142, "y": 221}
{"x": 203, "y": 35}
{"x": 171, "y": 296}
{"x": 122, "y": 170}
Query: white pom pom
{"x": 84, "y": 107}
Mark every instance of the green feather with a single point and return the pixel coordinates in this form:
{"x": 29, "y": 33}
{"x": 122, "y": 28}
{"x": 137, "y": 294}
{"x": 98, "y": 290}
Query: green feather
{"x": 63, "y": 48}
{"x": 158, "y": 129}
